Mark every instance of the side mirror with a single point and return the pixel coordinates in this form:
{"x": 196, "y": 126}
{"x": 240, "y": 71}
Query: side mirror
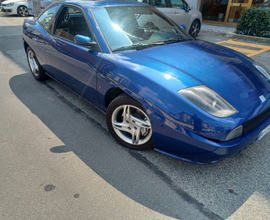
{"x": 183, "y": 27}
{"x": 84, "y": 40}
{"x": 187, "y": 8}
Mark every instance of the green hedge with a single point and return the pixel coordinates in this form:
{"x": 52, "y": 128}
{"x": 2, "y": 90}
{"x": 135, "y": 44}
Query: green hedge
{"x": 255, "y": 22}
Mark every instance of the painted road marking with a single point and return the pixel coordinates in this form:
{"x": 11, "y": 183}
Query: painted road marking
{"x": 249, "y": 52}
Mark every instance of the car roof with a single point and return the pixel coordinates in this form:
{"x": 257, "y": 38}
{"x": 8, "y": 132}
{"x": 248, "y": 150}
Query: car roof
{"x": 98, "y": 3}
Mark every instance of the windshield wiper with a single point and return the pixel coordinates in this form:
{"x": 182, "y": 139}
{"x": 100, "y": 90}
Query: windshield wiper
{"x": 142, "y": 46}
{"x": 168, "y": 41}
{"x": 132, "y": 46}
{"x": 173, "y": 40}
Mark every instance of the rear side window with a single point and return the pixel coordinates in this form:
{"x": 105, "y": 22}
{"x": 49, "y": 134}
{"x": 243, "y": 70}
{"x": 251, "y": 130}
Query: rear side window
{"x": 46, "y": 17}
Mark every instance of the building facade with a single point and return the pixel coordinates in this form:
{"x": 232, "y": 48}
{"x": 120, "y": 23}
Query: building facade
{"x": 225, "y": 12}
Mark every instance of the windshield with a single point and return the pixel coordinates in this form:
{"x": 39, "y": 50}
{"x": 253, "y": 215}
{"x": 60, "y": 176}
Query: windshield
{"x": 136, "y": 27}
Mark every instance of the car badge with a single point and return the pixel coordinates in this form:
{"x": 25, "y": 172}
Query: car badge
{"x": 262, "y": 98}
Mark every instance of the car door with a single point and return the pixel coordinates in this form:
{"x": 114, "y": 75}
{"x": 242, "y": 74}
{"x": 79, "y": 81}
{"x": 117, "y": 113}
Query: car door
{"x": 72, "y": 64}
{"x": 39, "y": 35}
{"x": 180, "y": 15}
{"x": 161, "y": 5}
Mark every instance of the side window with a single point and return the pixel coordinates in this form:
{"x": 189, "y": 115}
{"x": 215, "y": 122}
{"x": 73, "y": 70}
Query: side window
{"x": 70, "y": 23}
{"x": 159, "y": 3}
{"x": 177, "y": 4}
{"x": 46, "y": 17}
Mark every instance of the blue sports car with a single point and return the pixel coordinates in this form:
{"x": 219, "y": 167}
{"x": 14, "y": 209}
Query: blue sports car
{"x": 159, "y": 87}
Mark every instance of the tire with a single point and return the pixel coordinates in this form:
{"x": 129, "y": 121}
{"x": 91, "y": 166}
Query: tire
{"x": 129, "y": 124}
{"x": 34, "y": 65}
{"x": 195, "y": 28}
{"x": 22, "y": 11}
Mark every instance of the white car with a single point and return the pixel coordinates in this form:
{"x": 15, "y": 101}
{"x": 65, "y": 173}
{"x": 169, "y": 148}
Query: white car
{"x": 35, "y": 7}
{"x": 180, "y": 12}
{"x": 15, "y": 7}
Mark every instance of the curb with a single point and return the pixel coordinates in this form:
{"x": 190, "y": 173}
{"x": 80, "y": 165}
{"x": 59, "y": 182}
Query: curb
{"x": 239, "y": 36}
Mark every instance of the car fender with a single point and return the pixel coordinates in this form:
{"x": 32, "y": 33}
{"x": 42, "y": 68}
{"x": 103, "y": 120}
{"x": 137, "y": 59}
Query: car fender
{"x": 196, "y": 15}
{"x": 158, "y": 96}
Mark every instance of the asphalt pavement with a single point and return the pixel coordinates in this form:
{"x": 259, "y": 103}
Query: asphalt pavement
{"x": 58, "y": 160}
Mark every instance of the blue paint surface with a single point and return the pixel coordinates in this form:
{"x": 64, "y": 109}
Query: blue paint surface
{"x": 153, "y": 76}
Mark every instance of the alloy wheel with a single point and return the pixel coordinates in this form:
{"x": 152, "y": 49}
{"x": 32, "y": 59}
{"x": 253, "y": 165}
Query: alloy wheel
{"x": 195, "y": 29}
{"x": 131, "y": 124}
{"x": 23, "y": 11}
{"x": 33, "y": 63}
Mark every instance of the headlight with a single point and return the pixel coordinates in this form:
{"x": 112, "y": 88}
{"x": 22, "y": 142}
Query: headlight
{"x": 208, "y": 100}
{"x": 10, "y": 4}
{"x": 262, "y": 69}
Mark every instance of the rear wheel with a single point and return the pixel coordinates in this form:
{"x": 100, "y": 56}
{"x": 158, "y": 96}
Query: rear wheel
{"x": 22, "y": 11}
{"x": 129, "y": 124}
{"x": 194, "y": 28}
{"x": 35, "y": 68}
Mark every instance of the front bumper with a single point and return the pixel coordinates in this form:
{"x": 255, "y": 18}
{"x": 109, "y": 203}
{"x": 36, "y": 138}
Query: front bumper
{"x": 7, "y": 10}
{"x": 177, "y": 142}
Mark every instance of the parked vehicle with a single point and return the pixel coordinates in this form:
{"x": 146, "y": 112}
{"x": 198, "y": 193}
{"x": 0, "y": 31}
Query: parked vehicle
{"x": 35, "y": 7}
{"x": 159, "y": 87}
{"x": 15, "y": 7}
{"x": 180, "y": 12}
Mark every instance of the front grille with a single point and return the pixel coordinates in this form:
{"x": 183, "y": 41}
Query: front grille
{"x": 6, "y": 10}
{"x": 247, "y": 126}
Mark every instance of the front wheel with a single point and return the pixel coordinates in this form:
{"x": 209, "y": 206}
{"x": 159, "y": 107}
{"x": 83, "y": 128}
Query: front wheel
{"x": 35, "y": 67}
{"x": 22, "y": 11}
{"x": 194, "y": 28}
{"x": 129, "y": 124}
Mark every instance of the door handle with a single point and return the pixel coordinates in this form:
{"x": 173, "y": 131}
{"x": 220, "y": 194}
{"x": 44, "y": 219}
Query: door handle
{"x": 175, "y": 12}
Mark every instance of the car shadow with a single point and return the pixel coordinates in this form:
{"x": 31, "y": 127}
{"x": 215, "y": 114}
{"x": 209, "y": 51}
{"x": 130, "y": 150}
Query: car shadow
{"x": 172, "y": 187}
{"x": 13, "y": 16}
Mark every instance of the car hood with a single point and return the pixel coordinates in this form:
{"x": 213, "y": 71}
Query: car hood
{"x": 230, "y": 74}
